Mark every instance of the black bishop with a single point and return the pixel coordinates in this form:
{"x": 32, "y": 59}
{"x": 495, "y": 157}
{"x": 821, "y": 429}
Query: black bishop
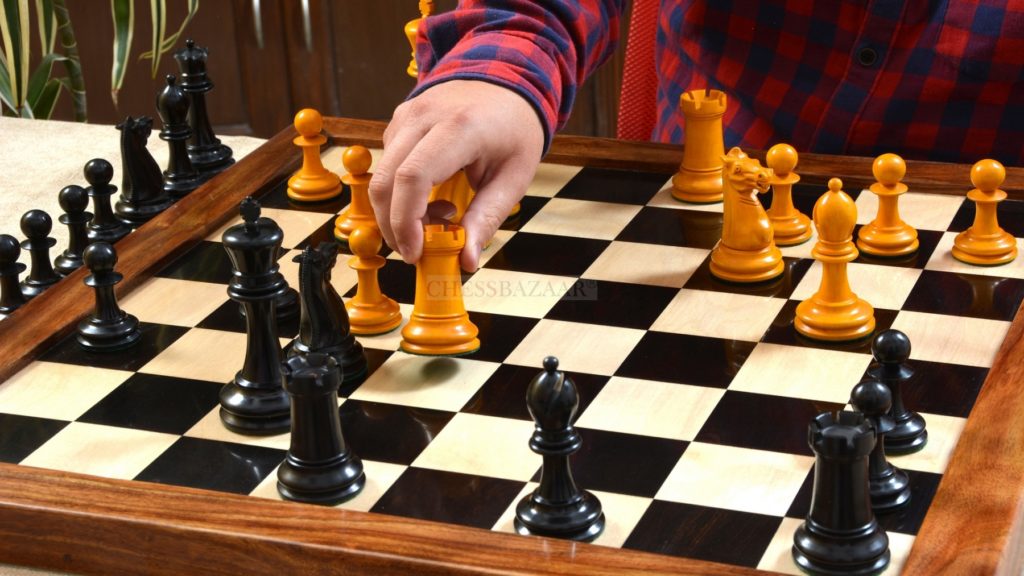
{"x": 181, "y": 177}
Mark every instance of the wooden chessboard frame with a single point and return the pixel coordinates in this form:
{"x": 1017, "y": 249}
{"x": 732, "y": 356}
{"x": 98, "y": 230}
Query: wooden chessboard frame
{"x": 77, "y": 523}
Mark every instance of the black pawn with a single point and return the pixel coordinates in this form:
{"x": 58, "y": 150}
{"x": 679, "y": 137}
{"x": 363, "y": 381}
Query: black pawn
{"x": 841, "y": 534}
{"x": 142, "y": 189}
{"x": 319, "y": 468}
{"x": 889, "y": 486}
{"x": 36, "y": 226}
{"x": 255, "y": 402}
{"x": 104, "y": 226}
{"x": 11, "y": 297}
{"x": 557, "y": 507}
{"x": 181, "y": 177}
{"x": 108, "y": 328}
{"x": 73, "y": 200}
{"x": 324, "y": 325}
{"x": 891, "y": 350}
{"x": 207, "y": 153}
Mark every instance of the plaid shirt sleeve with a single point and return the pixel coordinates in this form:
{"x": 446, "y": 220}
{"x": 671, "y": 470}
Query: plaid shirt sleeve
{"x": 541, "y": 49}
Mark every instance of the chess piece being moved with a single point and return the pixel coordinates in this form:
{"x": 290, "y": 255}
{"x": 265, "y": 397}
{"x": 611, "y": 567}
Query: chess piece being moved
{"x": 891, "y": 350}
{"x": 889, "y": 486}
{"x": 834, "y": 312}
{"x": 142, "y": 190}
{"x": 11, "y": 297}
{"x": 108, "y": 328}
{"x": 985, "y": 243}
{"x": 888, "y": 235}
{"x": 312, "y": 182}
{"x": 36, "y": 226}
{"x": 73, "y": 200}
{"x": 412, "y": 28}
{"x": 104, "y": 226}
{"x": 558, "y": 507}
{"x": 439, "y": 324}
{"x": 207, "y": 153}
{"x": 324, "y": 326}
{"x": 318, "y": 468}
{"x": 359, "y": 212}
{"x": 369, "y": 311}
{"x": 841, "y": 534}
{"x": 747, "y": 251}
{"x": 791, "y": 226}
{"x": 181, "y": 177}
{"x": 699, "y": 178}
{"x": 255, "y": 401}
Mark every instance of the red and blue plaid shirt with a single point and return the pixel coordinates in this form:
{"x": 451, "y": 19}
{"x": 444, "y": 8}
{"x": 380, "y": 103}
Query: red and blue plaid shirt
{"x": 930, "y": 79}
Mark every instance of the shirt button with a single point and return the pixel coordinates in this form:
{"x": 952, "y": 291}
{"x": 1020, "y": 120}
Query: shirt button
{"x": 867, "y": 56}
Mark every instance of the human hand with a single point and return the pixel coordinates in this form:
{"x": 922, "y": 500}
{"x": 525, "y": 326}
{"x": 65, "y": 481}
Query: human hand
{"x": 491, "y": 131}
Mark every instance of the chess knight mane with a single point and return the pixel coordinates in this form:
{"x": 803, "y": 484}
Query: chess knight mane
{"x": 741, "y": 177}
{"x": 141, "y": 172}
{"x": 315, "y": 265}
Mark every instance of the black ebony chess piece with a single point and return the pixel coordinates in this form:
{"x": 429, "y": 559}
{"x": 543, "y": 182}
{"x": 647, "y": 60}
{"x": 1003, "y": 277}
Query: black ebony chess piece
{"x": 11, "y": 297}
{"x": 73, "y": 200}
{"x": 104, "y": 226}
{"x": 255, "y": 402}
{"x": 36, "y": 226}
{"x": 108, "y": 328}
{"x": 181, "y": 177}
{"x": 324, "y": 325}
{"x": 319, "y": 468}
{"x": 889, "y": 486}
{"x": 142, "y": 189}
{"x": 557, "y": 507}
{"x": 891, "y": 350}
{"x": 841, "y": 534}
{"x": 208, "y": 155}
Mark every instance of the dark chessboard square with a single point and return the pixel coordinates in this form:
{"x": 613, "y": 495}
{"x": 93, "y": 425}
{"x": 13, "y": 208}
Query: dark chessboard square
{"x": 499, "y": 334}
{"x": 966, "y": 295}
{"x": 528, "y": 207}
{"x": 762, "y": 422}
{"x": 612, "y": 304}
{"x": 782, "y": 331}
{"x": 22, "y": 435}
{"x": 206, "y": 262}
{"x": 155, "y": 403}
{"x": 674, "y": 227}
{"x": 686, "y": 359}
{"x": 1010, "y": 215}
{"x": 228, "y": 317}
{"x": 213, "y": 465}
{"x": 390, "y": 432}
{"x": 781, "y": 287}
{"x": 928, "y": 240}
{"x": 624, "y": 463}
{"x": 703, "y": 533}
{"x": 374, "y": 359}
{"x": 449, "y": 497}
{"x": 504, "y": 393}
{"x": 277, "y": 197}
{"x": 547, "y": 254}
{"x": 155, "y": 339}
{"x": 397, "y": 281}
{"x": 617, "y": 186}
{"x": 940, "y": 388}
{"x": 325, "y": 233}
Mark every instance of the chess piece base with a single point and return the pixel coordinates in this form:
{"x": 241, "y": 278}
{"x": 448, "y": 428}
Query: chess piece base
{"x": 210, "y": 160}
{"x": 791, "y": 230}
{"x": 254, "y": 411}
{"x": 887, "y": 242}
{"x": 108, "y": 235}
{"x": 327, "y": 483}
{"x": 344, "y": 225}
{"x": 317, "y": 189}
{"x": 583, "y": 521}
{"x": 67, "y": 263}
{"x": 834, "y": 323}
{"x": 137, "y": 215}
{"x": 352, "y": 360}
{"x": 698, "y": 187}
{"x": 866, "y": 552}
{"x": 746, "y": 267}
{"x": 440, "y": 336}
{"x": 376, "y": 319}
{"x": 95, "y": 337}
{"x": 908, "y": 437}
{"x": 31, "y": 288}
{"x": 890, "y": 491}
{"x": 985, "y": 250}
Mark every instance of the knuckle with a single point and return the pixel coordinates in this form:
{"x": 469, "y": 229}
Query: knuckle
{"x": 409, "y": 174}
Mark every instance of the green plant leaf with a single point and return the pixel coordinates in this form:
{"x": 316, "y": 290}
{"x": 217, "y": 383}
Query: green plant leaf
{"x": 43, "y": 106}
{"x": 158, "y": 8}
{"x": 6, "y": 96}
{"x": 40, "y": 77}
{"x": 14, "y": 29}
{"x": 123, "y": 13}
{"x": 47, "y": 22}
{"x": 172, "y": 40}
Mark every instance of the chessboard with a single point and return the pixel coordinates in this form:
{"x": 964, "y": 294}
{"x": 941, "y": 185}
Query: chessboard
{"x": 695, "y": 394}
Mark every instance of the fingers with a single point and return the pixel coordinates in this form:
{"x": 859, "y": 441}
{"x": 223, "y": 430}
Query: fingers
{"x": 396, "y": 148}
{"x": 490, "y": 207}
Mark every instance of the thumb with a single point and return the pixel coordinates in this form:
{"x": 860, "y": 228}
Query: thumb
{"x": 489, "y": 208}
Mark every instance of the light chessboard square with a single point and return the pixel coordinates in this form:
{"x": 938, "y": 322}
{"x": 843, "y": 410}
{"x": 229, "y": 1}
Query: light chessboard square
{"x": 922, "y": 211}
{"x": 649, "y": 264}
{"x": 210, "y": 427}
{"x": 379, "y": 477}
{"x": 589, "y": 348}
{"x": 439, "y": 383}
{"x": 514, "y": 293}
{"x": 649, "y": 408}
{"x": 779, "y": 555}
{"x": 190, "y": 357}
{"x": 942, "y": 259}
{"x": 798, "y": 372}
{"x": 106, "y": 451}
{"x": 719, "y": 315}
{"x": 952, "y": 339}
{"x": 664, "y": 199}
{"x": 943, "y": 434}
{"x": 882, "y": 286}
{"x": 174, "y": 302}
{"x": 389, "y": 340}
{"x": 550, "y": 178}
{"x": 58, "y": 391}
{"x": 581, "y": 219}
{"x": 483, "y": 445}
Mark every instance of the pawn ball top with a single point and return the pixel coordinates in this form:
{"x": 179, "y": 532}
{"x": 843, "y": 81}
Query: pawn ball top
{"x": 98, "y": 172}
{"x": 550, "y": 364}
{"x": 357, "y": 160}
{"x": 987, "y": 175}
{"x": 308, "y": 122}
{"x": 891, "y": 347}
{"x": 100, "y": 257}
{"x": 889, "y": 169}
{"x": 835, "y": 185}
{"x": 365, "y": 241}
{"x": 36, "y": 224}
{"x": 73, "y": 199}
{"x": 871, "y": 397}
{"x": 782, "y": 159}
{"x": 10, "y": 249}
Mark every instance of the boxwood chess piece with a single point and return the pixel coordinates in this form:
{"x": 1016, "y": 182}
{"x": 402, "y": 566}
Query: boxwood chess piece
{"x": 36, "y": 226}
{"x": 889, "y": 486}
{"x": 11, "y": 297}
{"x": 73, "y": 200}
{"x": 108, "y": 328}
{"x": 891, "y": 350}
{"x": 558, "y": 507}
